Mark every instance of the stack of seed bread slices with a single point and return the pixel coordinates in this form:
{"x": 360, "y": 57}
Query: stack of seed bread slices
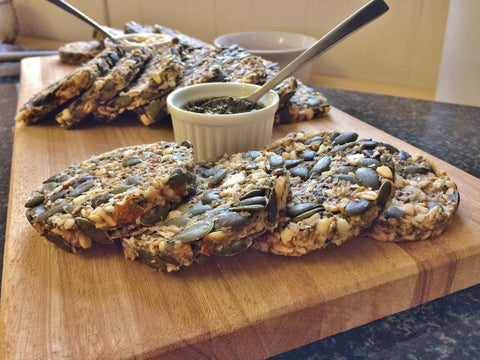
{"x": 298, "y": 194}
{"x": 115, "y": 81}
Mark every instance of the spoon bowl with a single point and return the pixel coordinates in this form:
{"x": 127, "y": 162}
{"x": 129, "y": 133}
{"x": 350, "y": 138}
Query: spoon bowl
{"x": 137, "y": 40}
{"x": 129, "y": 41}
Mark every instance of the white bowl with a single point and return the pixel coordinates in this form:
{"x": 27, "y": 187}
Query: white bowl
{"x": 279, "y": 47}
{"x": 214, "y": 135}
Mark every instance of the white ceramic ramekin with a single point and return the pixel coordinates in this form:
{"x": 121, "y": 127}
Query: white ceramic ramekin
{"x": 277, "y": 46}
{"x": 215, "y": 135}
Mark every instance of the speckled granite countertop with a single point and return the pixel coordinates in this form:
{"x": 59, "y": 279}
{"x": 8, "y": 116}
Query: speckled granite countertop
{"x": 447, "y": 328}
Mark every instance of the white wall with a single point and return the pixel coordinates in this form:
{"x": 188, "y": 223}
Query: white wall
{"x": 403, "y": 47}
{"x": 459, "y": 76}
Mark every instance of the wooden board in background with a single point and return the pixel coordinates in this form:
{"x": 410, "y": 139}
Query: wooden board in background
{"x": 99, "y": 305}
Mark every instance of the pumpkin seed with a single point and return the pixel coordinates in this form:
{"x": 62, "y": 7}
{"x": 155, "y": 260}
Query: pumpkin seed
{"x": 345, "y": 177}
{"x": 307, "y": 155}
{"x": 234, "y": 248}
{"x": 272, "y": 207}
{"x": 342, "y": 147}
{"x": 276, "y": 161}
{"x": 321, "y": 165}
{"x": 456, "y": 197}
{"x": 154, "y": 215}
{"x": 101, "y": 199}
{"x": 257, "y": 200}
{"x": 157, "y": 259}
{"x": 415, "y": 169}
{"x": 180, "y": 176}
{"x": 252, "y": 154}
{"x": 134, "y": 160}
{"x": 43, "y": 216}
{"x": 252, "y": 193}
{"x": 278, "y": 151}
{"x": 108, "y": 90}
{"x": 345, "y": 169}
{"x": 217, "y": 177}
{"x": 187, "y": 144}
{"x": 432, "y": 204}
{"x": 33, "y": 213}
{"x": 120, "y": 102}
{"x": 201, "y": 258}
{"x": 249, "y": 207}
{"x": 368, "y": 152}
{"x": 58, "y": 241}
{"x": 194, "y": 232}
{"x": 209, "y": 197}
{"x": 369, "y": 144}
{"x": 369, "y": 163}
{"x": 307, "y": 214}
{"x": 403, "y": 155}
{"x": 35, "y": 200}
{"x": 300, "y": 171}
{"x": 199, "y": 209}
{"x": 286, "y": 97}
{"x": 88, "y": 228}
{"x": 83, "y": 179}
{"x": 120, "y": 189}
{"x": 133, "y": 180}
{"x": 292, "y": 163}
{"x": 155, "y": 110}
{"x": 58, "y": 178}
{"x": 344, "y": 138}
{"x": 387, "y": 161}
{"x": 80, "y": 189}
{"x": 394, "y": 212}
{"x": 179, "y": 221}
{"x": 231, "y": 219}
{"x": 390, "y": 148}
{"x": 357, "y": 207}
{"x": 384, "y": 194}
{"x": 284, "y": 116}
{"x": 368, "y": 177}
{"x": 47, "y": 187}
{"x": 59, "y": 195}
{"x": 72, "y": 209}
{"x": 301, "y": 208}
{"x": 44, "y": 98}
{"x": 151, "y": 260}
{"x": 314, "y": 139}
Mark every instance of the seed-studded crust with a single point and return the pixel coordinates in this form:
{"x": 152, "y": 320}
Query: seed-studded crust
{"x": 158, "y": 79}
{"x": 232, "y": 64}
{"x": 237, "y": 199}
{"x": 105, "y": 87}
{"x": 303, "y": 105}
{"x": 100, "y": 198}
{"x": 50, "y": 99}
{"x": 79, "y": 52}
{"x": 339, "y": 185}
{"x": 424, "y": 204}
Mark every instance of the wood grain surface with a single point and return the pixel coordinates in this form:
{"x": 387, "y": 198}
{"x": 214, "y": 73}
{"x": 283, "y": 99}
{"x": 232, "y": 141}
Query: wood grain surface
{"x": 99, "y": 305}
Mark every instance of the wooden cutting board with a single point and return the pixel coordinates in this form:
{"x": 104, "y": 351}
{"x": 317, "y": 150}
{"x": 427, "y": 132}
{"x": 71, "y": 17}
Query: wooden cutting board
{"x": 100, "y": 305}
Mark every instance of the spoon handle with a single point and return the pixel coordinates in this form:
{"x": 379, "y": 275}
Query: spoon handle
{"x": 354, "y": 22}
{"x": 71, "y": 10}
